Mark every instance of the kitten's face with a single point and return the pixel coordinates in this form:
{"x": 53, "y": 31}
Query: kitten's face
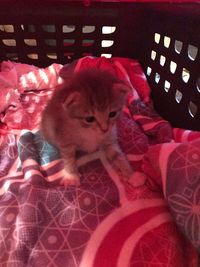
{"x": 94, "y": 116}
{"x": 92, "y": 119}
{"x": 93, "y": 106}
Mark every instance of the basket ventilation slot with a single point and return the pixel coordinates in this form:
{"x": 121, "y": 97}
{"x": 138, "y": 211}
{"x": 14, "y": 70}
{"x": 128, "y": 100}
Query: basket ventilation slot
{"x": 169, "y": 71}
{"x": 58, "y": 42}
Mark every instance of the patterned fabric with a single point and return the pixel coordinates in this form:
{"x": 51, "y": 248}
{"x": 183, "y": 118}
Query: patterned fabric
{"x": 105, "y": 221}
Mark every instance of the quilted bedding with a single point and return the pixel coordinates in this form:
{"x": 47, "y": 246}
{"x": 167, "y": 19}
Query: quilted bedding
{"x": 151, "y": 221}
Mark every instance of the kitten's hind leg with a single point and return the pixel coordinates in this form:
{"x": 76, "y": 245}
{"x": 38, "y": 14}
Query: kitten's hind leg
{"x": 70, "y": 175}
{"x": 118, "y": 160}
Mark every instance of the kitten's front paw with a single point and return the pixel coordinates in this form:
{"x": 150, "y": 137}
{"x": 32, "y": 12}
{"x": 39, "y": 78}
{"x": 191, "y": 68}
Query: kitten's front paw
{"x": 137, "y": 179}
{"x": 70, "y": 179}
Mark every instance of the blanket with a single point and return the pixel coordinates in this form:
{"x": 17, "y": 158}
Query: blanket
{"x": 151, "y": 220}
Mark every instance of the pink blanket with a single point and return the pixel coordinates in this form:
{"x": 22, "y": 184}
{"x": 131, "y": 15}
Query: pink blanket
{"x": 152, "y": 221}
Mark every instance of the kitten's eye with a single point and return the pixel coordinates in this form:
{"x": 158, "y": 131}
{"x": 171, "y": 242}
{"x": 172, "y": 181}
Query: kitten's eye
{"x": 90, "y": 119}
{"x": 112, "y": 114}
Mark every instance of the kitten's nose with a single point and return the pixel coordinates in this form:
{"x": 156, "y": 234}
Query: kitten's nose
{"x": 104, "y": 128}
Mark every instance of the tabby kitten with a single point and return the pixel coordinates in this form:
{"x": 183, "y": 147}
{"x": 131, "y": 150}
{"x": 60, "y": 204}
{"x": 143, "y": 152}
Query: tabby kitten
{"x": 82, "y": 115}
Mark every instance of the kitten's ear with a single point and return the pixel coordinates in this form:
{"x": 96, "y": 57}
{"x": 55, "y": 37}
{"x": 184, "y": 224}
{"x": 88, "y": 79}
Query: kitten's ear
{"x": 121, "y": 88}
{"x": 72, "y": 99}
{"x": 67, "y": 71}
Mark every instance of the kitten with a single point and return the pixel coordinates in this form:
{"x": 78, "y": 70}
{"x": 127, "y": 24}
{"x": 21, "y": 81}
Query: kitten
{"x": 82, "y": 115}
